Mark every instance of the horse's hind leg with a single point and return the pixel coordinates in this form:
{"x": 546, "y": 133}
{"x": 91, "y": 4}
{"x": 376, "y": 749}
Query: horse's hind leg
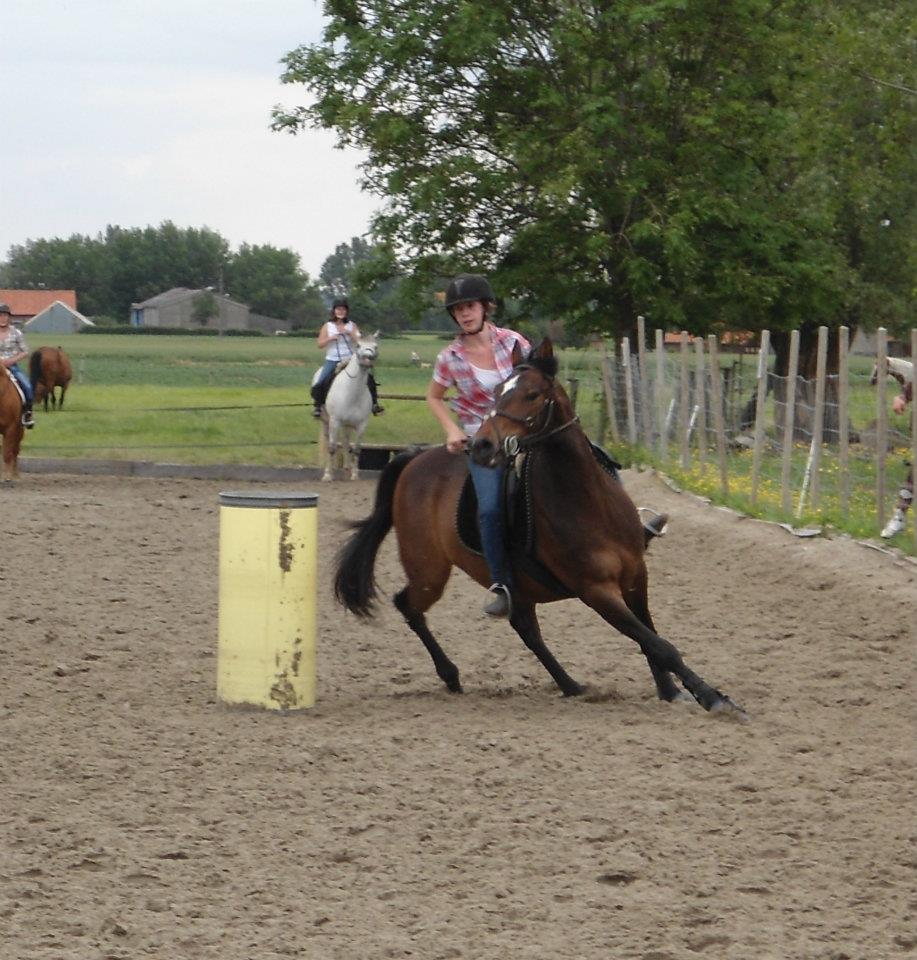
{"x": 525, "y": 623}
{"x": 413, "y": 612}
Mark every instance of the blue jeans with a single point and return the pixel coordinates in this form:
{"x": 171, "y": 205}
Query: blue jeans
{"x": 488, "y": 485}
{"x": 23, "y": 382}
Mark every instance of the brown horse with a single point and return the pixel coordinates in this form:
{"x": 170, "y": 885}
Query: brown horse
{"x": 587, "y": 538}
{"x": 49, "y": 367}
{"x": 10, "y": 425}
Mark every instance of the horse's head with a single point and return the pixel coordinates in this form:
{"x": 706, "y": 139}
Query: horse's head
{"x": 530, "y": 407}
{"x": 367, "y": 350}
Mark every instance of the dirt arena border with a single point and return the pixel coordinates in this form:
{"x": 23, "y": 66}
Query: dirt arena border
{"x": 140, "y": 818}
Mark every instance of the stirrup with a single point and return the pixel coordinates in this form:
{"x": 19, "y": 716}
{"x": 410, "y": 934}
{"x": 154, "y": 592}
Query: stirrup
{"x": 377, "y": 409}
{"x": 317, "y": 411}
{"x": 27, "y": 420}
{"x": 501, "y": 605}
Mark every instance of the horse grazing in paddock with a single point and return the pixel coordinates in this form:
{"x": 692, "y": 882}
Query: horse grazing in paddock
{"x": 10, "y": 425}
{"x": 902, "y": 370}
{"x": 348, "y": 406}
{"x": 586, "y": 541}
{"x": 49, "y": 368}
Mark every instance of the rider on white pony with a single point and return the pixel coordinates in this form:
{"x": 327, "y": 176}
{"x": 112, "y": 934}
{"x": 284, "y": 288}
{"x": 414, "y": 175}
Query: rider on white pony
{"x": 338, "y": 338}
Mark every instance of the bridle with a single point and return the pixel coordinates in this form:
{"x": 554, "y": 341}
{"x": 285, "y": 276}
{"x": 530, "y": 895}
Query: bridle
{"x": 512, "y": 444}
{"x": 366, "y": 357}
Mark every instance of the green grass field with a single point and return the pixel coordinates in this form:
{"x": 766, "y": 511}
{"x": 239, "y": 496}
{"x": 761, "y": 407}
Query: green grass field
{"x": 246, "y": 400}
{"x": 226, "y": 400}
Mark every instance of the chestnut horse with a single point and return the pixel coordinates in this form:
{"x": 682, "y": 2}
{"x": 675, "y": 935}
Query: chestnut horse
{"x": 10, "y": 425}
{"x": 49, "y": 367}
{"x": 588, "y": 538}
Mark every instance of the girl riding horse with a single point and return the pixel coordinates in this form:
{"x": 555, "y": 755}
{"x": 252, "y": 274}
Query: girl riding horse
{"x": 337, "y": 338}
{"x": 13, "y": 349}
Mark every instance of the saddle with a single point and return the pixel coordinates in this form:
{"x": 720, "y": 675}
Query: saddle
{"x": 16, "y": 384}
{"x": 519, "y": 517}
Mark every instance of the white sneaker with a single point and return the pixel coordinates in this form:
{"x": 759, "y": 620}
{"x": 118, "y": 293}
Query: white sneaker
{"x": 895, "y": 525}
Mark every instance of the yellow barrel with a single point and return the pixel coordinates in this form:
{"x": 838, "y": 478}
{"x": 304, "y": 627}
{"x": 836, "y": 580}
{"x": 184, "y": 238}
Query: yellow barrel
{"x": 268, "y": 593}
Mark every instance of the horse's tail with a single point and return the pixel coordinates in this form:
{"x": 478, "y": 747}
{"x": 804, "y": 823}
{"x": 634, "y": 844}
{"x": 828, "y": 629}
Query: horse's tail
{"x": 35, "y": 368}
{"x": 354, "y": 578}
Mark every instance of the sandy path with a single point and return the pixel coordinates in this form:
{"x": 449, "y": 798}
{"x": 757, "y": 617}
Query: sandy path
{"x": 139, "y": 818}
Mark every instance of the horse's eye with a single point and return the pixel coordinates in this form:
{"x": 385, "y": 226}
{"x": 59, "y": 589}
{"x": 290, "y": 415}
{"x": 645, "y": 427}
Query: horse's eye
{"x": 533, "y": 395}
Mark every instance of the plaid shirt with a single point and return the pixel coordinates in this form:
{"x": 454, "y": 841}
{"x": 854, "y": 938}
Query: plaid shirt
{"x": 454, "y": 370}
{"x": 12, "y": 343}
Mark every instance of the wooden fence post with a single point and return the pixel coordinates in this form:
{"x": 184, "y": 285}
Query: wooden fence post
{"x": 607, "y": 385}
{"x": 716, "y": 384}
{"x": 661, "y": 438}
{"x": 843, "y": 417}
{"x": 646, "y": 421}
{"x": 628, "y": 391}
{"x": 789, "y": 422}
{"x": 914, "y": 417}
{"x": 684, "y": 408}
{"x": 818, "y": 426}
{"x": 881, "y": 420}
{"x": 761, "y": 397}
{"x": 701, "y": 405}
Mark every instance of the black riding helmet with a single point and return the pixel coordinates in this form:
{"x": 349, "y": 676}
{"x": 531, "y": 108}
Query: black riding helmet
{"x": 466, "y": 288}
{"x": 340, "y": 302}
{"x": 5, "y": 308}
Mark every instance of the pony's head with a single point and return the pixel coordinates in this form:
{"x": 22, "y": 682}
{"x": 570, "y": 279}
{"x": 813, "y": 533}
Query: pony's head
{"x": 367, "y": 350}
{"x": 530, "y": 407}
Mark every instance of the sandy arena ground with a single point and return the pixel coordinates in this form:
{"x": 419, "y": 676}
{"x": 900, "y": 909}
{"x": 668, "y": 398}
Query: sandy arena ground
{"x": 141, "y": 818}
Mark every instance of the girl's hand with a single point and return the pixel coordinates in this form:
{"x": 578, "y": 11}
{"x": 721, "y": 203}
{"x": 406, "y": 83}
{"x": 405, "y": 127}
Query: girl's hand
{"x": 456, "y": 441}
{"x": 899, "y": 404}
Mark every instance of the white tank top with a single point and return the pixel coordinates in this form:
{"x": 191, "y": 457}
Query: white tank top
{"x": 488, "y": 379}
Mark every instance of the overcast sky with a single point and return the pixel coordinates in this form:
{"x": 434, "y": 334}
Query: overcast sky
{"x": 132, "y": 112}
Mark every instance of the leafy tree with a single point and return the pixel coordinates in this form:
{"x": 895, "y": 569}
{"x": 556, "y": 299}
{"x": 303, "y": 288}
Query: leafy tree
{"x": 367, "y": 275}
{"x": 606, "y": 159}
{"x": 204, "y": 307}
{"x": 271, "y": 281}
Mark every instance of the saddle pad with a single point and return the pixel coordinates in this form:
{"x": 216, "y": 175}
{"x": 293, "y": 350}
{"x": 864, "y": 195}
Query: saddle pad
{"x": 520, "y": 524}
{"x": 9, "y": 373}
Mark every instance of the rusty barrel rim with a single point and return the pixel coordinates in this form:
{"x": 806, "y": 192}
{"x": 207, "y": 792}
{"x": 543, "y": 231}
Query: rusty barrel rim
{"x": 268, "y": 499}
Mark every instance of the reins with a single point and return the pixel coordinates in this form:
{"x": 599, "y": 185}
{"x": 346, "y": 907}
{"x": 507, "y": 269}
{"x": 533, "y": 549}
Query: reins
{"x": 512, "y": 445}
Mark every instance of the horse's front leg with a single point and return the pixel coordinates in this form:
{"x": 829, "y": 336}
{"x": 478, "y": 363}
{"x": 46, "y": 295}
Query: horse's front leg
{"x": 12, "y": 440}
{"x": 525, "y": 623}
{"x": 611, "y": 607}
{"x": 331, "y": 448}
{"x": 356, "y": 444}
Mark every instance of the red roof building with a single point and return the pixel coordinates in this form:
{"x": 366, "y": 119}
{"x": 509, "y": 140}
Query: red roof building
{"x": 25, "y": 304}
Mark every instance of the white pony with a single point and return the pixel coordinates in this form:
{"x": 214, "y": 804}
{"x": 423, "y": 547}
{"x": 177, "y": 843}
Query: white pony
{"x": 348, "y": 406}
{"x": 902, "y": 370}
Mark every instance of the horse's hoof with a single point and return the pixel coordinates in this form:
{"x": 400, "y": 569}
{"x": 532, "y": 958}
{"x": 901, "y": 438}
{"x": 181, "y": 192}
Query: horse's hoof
{"x": 724, "y": 707}
{"x": 682, "y": 696}
{"x": 327, "y": 478}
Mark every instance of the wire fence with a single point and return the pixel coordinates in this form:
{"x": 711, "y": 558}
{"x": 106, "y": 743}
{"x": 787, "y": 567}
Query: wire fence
{"x": 820, "y": 450}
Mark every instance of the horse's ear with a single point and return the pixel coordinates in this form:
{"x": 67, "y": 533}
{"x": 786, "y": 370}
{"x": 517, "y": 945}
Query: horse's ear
{"x": 377, "y": 334}
{"x": 544, "y": 350}
{"x": 517, "y": 354}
